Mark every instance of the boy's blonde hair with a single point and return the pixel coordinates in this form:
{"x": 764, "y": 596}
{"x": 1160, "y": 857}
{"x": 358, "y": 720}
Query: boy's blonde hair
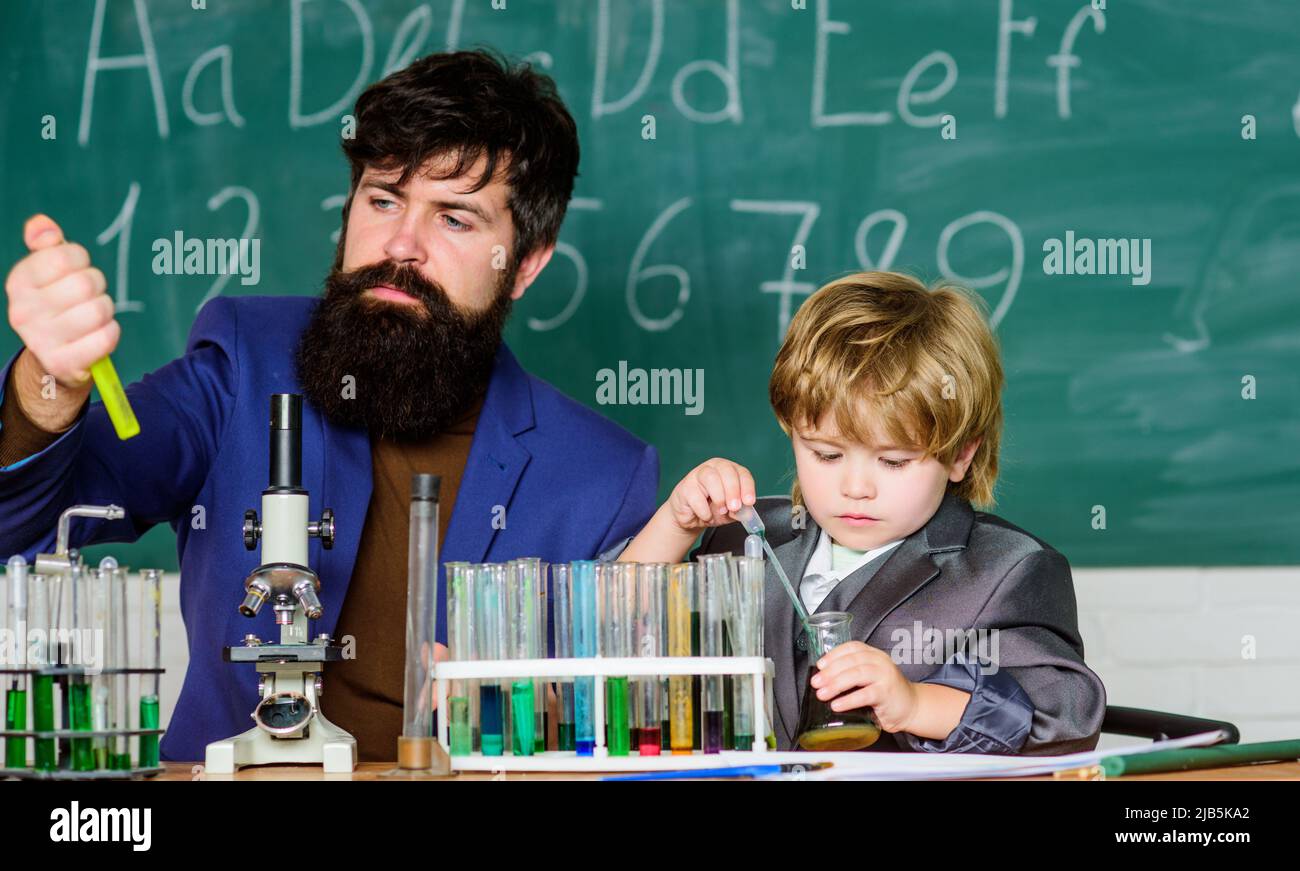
{"x": 919, "y": 363}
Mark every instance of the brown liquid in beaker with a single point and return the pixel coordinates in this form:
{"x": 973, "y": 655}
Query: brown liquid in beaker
{"x": 821, "y": 728}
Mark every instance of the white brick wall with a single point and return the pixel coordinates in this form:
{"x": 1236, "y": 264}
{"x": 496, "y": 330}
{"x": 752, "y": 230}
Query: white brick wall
{"x": 1172, "y": 639}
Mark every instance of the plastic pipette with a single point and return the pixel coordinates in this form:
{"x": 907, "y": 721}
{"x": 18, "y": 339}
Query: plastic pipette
{"x": 753, "y": 524}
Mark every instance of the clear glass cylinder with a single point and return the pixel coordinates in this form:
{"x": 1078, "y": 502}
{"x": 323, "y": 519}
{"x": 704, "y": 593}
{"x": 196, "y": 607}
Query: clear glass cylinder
{"x": 421, "y": 607}
{"x": 820, "y": 726}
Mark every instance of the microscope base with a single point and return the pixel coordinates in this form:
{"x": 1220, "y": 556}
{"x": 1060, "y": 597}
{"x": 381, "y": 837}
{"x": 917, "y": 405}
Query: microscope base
{"x": 323, "y": 744}
{"x": 326, "y": 745}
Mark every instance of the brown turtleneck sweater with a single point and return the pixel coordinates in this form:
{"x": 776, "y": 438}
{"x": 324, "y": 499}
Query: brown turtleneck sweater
{"x": 362, "y": 695}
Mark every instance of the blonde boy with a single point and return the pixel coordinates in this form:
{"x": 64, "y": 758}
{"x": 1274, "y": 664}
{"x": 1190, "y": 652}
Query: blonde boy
{"x": 966, "y": 636}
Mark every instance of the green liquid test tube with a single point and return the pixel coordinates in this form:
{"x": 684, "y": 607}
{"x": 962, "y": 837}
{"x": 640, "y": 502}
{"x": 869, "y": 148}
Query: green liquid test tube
{"x": 47, "y": 757}
{"x": 618, "y": 737}
{"x": 114, "y": 399}
{"x": 83, "y": 755}
{"x": 148, "y": 743}
{"x": 150, "y": 656}
{"x": 16, "y": 700}
{"x": 461, "y": 736}
{"x": 43, "y": 721}
{"x": 521, "y": 703}
{"x": 16, "y": 720}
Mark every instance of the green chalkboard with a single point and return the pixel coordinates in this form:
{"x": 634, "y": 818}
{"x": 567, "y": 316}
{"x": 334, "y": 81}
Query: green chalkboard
{"x": 953, "y": 137}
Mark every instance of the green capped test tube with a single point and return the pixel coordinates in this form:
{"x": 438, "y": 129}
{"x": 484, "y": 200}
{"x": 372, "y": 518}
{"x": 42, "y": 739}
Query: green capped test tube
{"x": 16, "y": 691}
{"x": 460, "y": 648}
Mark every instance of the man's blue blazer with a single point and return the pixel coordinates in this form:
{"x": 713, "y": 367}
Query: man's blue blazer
{"x": 571, "y": 484}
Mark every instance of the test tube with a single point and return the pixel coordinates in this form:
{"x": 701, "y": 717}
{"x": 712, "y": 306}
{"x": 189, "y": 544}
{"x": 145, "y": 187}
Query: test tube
{"x": 80, "y": 580}
{"x": 38, "y": 618}
{"x": 540, "y": 684}
{"x": 119, "y": 753}
{"x": 713, "y": 581}
{"x": 619, "y": 601}
{"x": 16, "y": 692}
{"x": 460, "y": 648}
{"x": 562, "y": 590}
{"x": 150, "y": 658}
{"x": 101, "y": 689}
{"x": 744, "y": 618}
{"x": 651, "y": 586}
{"x": 490, "y": 637}
{"x": 522, "y": 624}
{"x": 584, "y": 645}
{"x": 681, "y": 595}
{"x": 421, "y": 612}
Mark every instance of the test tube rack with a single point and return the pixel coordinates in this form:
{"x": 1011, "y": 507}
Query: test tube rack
{"x": 63, "y": 735}
{"x": 563, "y": 670}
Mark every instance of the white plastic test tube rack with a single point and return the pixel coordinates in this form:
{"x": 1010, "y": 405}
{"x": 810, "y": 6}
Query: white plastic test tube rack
{"x": 599, "y": 667}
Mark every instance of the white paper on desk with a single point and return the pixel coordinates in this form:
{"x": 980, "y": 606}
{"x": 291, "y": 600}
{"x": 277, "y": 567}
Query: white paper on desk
{"x": 941, "y": 766}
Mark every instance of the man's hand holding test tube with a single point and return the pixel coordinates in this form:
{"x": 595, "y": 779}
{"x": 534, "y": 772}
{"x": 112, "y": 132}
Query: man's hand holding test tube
{"x": 59, "y": 308}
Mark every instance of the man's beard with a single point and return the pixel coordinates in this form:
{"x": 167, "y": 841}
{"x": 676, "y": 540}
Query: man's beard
{"x": 416, "y": 368}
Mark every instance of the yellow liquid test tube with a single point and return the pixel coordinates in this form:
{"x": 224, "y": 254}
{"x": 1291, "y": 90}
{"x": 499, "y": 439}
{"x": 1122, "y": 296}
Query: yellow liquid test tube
{"x": 114, "y": 398}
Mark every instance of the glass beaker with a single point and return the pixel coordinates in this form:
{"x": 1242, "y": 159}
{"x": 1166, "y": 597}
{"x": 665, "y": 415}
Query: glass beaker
{"x": 820, "y": 727}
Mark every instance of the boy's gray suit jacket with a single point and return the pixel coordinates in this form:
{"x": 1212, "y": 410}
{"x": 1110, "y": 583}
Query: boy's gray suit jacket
{"x": 963, "y": 570}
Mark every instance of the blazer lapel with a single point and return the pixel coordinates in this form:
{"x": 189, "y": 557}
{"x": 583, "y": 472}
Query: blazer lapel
{"x": 909, "y": 566}
{"x": 496, "y": 462}
{"x": 778, "y": 626}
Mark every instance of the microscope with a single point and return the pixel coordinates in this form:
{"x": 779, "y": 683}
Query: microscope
{"x": 290, "y": 727}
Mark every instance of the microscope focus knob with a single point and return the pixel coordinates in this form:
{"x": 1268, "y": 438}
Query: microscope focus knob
{"x": 252, "y": 529}
{"x": 325, "y": 529}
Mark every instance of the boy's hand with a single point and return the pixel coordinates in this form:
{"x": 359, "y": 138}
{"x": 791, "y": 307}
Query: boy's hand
{"x": 880, "y": 685}
{"x": 705, "y": 497}
{"x": 709, "y": 493}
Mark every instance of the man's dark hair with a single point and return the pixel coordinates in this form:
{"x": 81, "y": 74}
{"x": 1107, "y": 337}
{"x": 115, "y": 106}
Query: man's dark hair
{"x": 467, "y": 105}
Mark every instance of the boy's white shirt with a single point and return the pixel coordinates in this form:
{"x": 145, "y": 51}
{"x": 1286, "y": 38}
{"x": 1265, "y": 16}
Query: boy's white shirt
{"x": 819, "y": 578}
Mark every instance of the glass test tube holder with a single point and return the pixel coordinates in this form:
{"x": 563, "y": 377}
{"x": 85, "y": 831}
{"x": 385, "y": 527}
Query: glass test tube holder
{"x": 60, "y": 563}
{"x": 601, "y": 667}
{"x": 67, "y": 673}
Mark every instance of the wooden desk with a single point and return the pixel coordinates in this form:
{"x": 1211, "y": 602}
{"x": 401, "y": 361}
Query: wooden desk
{"x": 374, "y": 770}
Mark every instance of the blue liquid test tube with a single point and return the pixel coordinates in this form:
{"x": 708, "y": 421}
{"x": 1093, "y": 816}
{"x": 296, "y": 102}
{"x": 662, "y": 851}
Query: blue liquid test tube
{"x": 583, "y": 574}
{"x": 490, "y": 635}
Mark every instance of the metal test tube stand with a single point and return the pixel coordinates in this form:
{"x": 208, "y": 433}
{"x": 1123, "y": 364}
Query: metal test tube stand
{"x": 290, "y": 727}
